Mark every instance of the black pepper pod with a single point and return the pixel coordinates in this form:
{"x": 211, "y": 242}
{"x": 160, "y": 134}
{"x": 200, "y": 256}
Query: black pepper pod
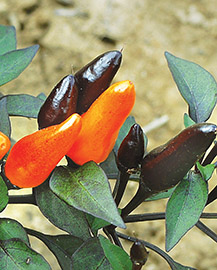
{"x": 165, "y": 166}
{"x": 138, "y": 254}
{"x": 131, "y": 150}
{"x": 60, "y": 104}
{"x": 96, "y": 77}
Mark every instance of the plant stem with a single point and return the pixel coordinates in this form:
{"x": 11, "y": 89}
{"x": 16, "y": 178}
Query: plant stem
{"x": 160, "y": 216}
{"x": 206, "y": 230}
{"x": 212, "y": 154}
{"x": 156, "y": 249}
{"x": 124, "y": 177}
{"x": 141, "y": 194}
{"x": 212, "y": 196}
{"x": 110, "y": 230}
{"x": 22, "y": 199}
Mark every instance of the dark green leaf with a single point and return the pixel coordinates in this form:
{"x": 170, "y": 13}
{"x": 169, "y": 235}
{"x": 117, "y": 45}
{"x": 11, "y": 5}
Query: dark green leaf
{"x": 185, "y": 207}
{"x": 10, "y": 228}
{"x": 3, "y": 195}
{"x": 62, "y": 246}
{"x": 87, "y": 189}
{"x": 7, "y": 39}
{"x": 196, "y": 85}
{"x": 5, "y": 124}
{"x": 60, "y": 213}
{"x": 116, "y": 256}
{"x": 161, "y": 195}
{"x": 23, "y": 105}
{"x": 16, "y": 255}
{"x": 109, "y": 166}
{"x": 90, "y": 256}
{"x": 14, "y": 62}
{"x": 188, "y": 121}
{"x": 97, "y": 223}
{"x": 206, "y": 171}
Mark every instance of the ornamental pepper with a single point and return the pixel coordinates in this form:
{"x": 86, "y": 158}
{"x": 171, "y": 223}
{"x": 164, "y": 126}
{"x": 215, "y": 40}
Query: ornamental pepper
{"x": 130, "y": 154}
{"x": 95, "y": 78}
{"x": 166, "y": 165}
{"x": 32, "y": 159}
{"x": 60, "y": 104}
{"x": 5, "y": 145}
{"x": 102, "y": 122}
{"x": 138, "y": 254}
{"x": 131, "y": 150}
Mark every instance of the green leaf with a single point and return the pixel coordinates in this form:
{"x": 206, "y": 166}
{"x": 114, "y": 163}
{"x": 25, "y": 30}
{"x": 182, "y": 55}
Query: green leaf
{"x": 97, "y": 223}
{"x": 10, "y": 228}
{"x": 7, "y": 39}
{"x": 14, "y": 62}
{"x": 5, "y": 124}
{"x": 3, "y": 195}
{"x": 16, "y": 255}
{"x": 206, "y": 171}
{"x": 109, "y": 166}
{"x": 185, "y": 207}
{"x": 188, "y": 121}
{"x": 117, "y": 257}
{"x": 23, "y": 105}
{"x": 60, "y": 213}
{"x": 161, "y": 195}
{"x": 62, "y": 246}
{"x": 196, "y": 85}
{"x": 42, "y": 96}
{"x": 87, "y": 189}
{"x": 90, "y": 256}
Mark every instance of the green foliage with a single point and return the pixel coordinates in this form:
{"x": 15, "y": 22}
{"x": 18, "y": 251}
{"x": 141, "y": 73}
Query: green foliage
{"x": 185, "y": 207}
{"x": 87, "y": 189}
{"x": 196, "y": 85}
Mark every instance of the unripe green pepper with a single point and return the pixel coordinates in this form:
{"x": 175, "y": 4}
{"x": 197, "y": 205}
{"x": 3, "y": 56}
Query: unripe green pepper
{"x": 166, "y": 165}
{"x": 95, "y": 78}
{"x": 60, "y": 104}
{"x": 131, "y": 150}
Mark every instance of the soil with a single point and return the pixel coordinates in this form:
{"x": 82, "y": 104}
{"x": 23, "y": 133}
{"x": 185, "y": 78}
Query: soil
{"x": 70, "y": 34}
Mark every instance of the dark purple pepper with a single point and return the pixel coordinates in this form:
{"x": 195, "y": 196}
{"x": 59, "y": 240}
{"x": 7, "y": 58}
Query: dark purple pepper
{"x": 166, "y": 165}
{"x": 60, "y": 104}
{"x": 96, "y": 77}
{"x": 131, "y": 150}
{"x": 138, "y": 253}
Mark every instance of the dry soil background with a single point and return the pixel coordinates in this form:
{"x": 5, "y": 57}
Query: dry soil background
{"x": 71, "y": 33}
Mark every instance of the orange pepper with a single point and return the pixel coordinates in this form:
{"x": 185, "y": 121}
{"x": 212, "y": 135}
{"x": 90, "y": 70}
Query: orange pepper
{"x": 32, "y": 159}
{"x": 5, "y": 145}
{"x": 102, "y": 122}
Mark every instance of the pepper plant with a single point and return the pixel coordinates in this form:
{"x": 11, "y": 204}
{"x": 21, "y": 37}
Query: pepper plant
{"x": 86, "y": 119}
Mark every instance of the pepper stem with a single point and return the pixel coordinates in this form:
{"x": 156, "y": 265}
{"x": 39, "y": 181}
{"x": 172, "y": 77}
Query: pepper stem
{"x": 22, "y": 199}
{"x": 124, "y": 177}
{"x": 141, "y": 194}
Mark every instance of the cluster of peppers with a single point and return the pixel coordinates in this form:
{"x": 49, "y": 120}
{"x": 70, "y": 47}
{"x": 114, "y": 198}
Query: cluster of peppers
{"x": 81, "y": 119}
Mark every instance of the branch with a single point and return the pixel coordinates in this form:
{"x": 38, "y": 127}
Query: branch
{"x": 206, "y": 230}
{"x": 160, "y": 216}
{"x": 22, "y": 199}
{"x": 156, "y": 249}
